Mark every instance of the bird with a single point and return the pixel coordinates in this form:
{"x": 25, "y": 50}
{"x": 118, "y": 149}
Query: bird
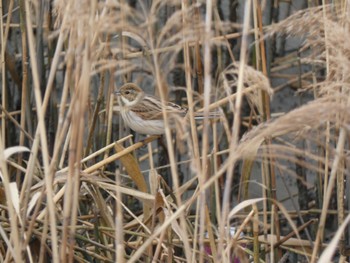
{"x": 143, "y": 113}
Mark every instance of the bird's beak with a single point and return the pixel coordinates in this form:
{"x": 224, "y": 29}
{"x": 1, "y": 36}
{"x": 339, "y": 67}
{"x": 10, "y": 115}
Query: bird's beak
{"x": 117, "y": 93}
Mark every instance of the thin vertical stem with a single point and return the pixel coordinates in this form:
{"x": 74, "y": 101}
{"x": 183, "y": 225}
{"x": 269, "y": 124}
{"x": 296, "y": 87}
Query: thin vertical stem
{"x": 205, "y": 136}
{"x": 194, "y": 135}
{"x": 328, "y": 193}
{"x": 3, "y": 76}
{"x": 235, "y": 129}
{"x": 16, "y": 240}
{"x": 42, "y": 135}
{"x": 119, "y": 231}
{"x": 172, "y": 159}
{"x": 24, "y": 98}
{"x": 340, "y": 202}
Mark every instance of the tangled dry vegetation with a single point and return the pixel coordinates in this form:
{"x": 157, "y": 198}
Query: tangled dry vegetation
{"x": 79, "y": 186}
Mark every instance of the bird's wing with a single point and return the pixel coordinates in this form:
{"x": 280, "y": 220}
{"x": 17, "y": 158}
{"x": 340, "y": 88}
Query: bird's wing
{"x": 151, "y": 108}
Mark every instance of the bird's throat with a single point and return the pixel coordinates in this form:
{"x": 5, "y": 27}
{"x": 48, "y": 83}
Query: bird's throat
{"x": 130, "y": 102}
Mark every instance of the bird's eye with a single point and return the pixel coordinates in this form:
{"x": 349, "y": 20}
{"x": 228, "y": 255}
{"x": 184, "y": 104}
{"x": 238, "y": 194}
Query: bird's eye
{"x": 127, "y": 92}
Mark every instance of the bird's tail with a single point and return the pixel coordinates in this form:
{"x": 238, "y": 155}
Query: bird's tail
{"x": 212, "y": 115}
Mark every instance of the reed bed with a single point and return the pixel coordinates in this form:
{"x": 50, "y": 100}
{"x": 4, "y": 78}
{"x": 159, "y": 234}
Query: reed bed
{"x": 77, "y": 185}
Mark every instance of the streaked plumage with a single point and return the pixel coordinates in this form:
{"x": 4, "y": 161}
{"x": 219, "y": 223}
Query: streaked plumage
{"x": 143, "y": 113}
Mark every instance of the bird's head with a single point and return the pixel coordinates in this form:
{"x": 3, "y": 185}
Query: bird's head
{"x": 129, "y": 94}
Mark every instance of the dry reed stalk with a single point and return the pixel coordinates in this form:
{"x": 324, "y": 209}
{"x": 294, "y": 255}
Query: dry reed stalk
{"x": 339, "y": 150}
{"x": 102, "y": 150}
{"x": 120, "y": 154}
{"x": 75, "y": 155}
{"x": 340, "y": 201}
{"x": 333, "y": 245}
{"x": 134, "y": 172}
{"x": 95, "y": 115}
{"x": 272, "y": 251}
{"x": 235, "y": 131}
{"x": 328, "y": 37}
{"x": 268, "y": 175}
{"x": 159, "y": 80}
{"x": 24, "y": 78}
{"x": 42, "y": 135}
{"x": 167, "y": 222}
{"x": 159, "y": 59}
{"x": 3, "y": 75}
{"x": 93, "y": 168}
{"x": 288, "y": 236}
{"x": 205, "y": 133}
{"x": 14, "y": 251}
{"x": 174, "y": 48}
{"x": 18, "y": 125}
{"x": 109, "y": 116}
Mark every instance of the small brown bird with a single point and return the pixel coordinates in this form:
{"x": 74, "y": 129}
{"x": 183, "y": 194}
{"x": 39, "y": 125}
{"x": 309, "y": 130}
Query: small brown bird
{"x": 143, "y": 113}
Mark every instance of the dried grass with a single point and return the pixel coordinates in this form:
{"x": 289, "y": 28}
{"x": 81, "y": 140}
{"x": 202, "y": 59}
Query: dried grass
{"x": 88, "y": 191}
